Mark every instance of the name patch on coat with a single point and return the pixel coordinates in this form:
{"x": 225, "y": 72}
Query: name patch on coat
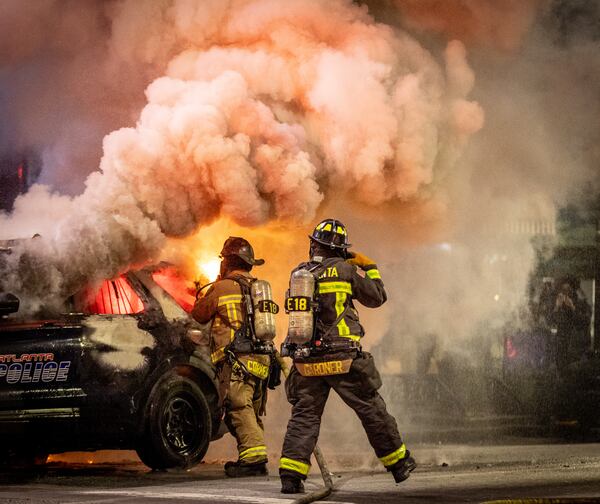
{"x": 257, "y": 369}
{"x": 325, "y": 368}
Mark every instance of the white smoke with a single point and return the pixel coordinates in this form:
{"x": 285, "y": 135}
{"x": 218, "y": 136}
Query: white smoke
{"x": 271, "y": 108}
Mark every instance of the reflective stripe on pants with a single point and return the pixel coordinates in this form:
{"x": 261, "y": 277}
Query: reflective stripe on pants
{"x": 391, "y": 458}
{"x": 294, "y": 465}
{"x": 257, "y": 451}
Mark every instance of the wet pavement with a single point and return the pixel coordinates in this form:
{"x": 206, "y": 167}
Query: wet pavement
{"x": 447, "y": 474}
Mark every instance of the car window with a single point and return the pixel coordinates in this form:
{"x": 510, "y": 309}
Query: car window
{"x": 180, "y": 289}
{"x": 113, "y": 297}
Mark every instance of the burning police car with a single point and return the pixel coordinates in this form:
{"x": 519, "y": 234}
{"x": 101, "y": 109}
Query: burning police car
{"x": 121, "y": 370}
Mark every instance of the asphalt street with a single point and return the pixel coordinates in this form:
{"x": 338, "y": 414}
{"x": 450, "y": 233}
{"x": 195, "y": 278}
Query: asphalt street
{"x": 447, "y": 474}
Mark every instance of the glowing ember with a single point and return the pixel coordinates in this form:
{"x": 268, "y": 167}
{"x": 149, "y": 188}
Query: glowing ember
{"x": 209, "y": 269}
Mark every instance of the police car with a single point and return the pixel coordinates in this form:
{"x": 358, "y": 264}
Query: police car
{"x": 123, "y": 369}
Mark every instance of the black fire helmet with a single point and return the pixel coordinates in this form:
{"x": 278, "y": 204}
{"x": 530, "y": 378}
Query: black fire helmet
{"x": 331, "y": 233}
{"x": 240, "y": 247}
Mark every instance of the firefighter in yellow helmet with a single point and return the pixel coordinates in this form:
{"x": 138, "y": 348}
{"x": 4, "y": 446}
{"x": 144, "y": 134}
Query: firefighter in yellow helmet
{"x": 242, "y": 360}
{"x": 329, "y": 356}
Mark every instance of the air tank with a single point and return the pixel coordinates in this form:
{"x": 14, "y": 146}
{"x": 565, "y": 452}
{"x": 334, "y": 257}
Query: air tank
{"x": 264, "y": 320}
{"x": 302, "y": 288}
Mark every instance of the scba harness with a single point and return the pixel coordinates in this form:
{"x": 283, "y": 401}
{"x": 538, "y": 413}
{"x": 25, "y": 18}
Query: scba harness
{"x": 256, "y": 331}
{"x": 308, "y": 341}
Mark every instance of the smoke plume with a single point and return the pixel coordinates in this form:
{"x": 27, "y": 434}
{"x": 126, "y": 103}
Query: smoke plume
{"x": 257, "y": 117}
{"x": 269, "y": 110}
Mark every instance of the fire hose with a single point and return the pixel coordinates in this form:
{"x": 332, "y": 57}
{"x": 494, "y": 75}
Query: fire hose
{"x": 328, "y": 488}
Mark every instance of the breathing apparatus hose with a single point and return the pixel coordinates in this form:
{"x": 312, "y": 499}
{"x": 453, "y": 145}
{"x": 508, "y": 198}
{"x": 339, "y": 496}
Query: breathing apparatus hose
{"x": 325, "y": 473}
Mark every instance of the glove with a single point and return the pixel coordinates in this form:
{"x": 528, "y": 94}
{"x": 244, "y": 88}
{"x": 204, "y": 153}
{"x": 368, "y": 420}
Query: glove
{"x": 274, "y": 379}
{"x": 360, "y": 260}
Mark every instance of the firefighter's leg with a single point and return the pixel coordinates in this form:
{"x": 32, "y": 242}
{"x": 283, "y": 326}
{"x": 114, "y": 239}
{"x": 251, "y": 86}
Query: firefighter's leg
{"x": 242, "y": 420}
{"x": 258, "y": 402}
{"x": 308, "y": 396}
{"x": 358, "y": 389}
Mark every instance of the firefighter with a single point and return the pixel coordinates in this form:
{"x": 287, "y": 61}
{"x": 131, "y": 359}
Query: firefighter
{"x": 333, "y": 359}
{"x": 242, "y": 373}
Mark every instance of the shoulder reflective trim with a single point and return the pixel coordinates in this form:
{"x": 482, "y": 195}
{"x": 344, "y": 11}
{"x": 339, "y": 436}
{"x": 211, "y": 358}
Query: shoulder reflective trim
{"x": 331, "y": 287}
{"x": 394, "y": 457}
{"x": 374, "y": 274}
{"x": 253, "y": 452}
{"x": 231, "y": 298}
{"x": 233, "y": 305}
{"x": 340, "y": 306}
{"x": 231, "y": 313}
{"x": 294, "y": 465}
{"x": 217, "y": 355}
{"x": 351, "y": 337}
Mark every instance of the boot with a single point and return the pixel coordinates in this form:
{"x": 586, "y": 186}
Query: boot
{"x": 291, "y": 485}
{"x": 238, "y": 469}
{"x": 401, "y": 470}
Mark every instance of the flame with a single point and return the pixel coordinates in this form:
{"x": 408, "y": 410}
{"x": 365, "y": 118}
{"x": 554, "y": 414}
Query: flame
{"x": 209, "y": 268}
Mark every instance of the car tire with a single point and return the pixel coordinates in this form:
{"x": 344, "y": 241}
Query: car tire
{"x": 178, "y": 425}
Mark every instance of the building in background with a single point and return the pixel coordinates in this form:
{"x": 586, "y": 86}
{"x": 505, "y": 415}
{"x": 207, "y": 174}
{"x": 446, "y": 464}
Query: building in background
{"x": 18, "y": 171}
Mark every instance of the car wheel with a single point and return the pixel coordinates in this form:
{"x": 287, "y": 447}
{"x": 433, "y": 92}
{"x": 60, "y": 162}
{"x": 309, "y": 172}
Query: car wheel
{"x": 178, "y": 424}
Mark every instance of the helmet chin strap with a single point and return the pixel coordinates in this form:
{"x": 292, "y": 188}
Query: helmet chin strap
{"x": 323, "y": 252}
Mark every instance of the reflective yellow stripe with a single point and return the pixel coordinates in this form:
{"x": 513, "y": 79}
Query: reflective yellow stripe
{"x": 352, "y": 337}
{"x": 340, "y": 304}
{"x": 331, "y": 287}
{"x": 251, "y": 452}
{"x": 340, "y": 230}
{"x": 232, "y": 315}
{"x": 231, "y": 312}
{"x": 217, "y": 355}
{"x": 374, "y": 274}
{"x": 232, "y": 298}
{"x": 294, "y": 465}
{"x": 327, "y": 227}
{"x": 394, "y": 457}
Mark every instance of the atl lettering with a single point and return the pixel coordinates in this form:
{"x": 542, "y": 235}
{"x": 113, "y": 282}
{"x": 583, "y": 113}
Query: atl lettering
{"x": 330, "y": 272}
{"x": 33, "y": 357}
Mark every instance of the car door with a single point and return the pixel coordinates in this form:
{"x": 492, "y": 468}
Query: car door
{"x": 40, "y": 369}
{"x": 118, "y": 345}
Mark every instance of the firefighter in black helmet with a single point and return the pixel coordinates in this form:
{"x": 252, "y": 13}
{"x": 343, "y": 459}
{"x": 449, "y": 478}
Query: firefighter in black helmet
{"x": 242, "y": 372}
{"x": 333, "y": 359}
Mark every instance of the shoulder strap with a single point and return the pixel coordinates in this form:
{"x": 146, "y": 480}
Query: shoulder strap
{"x": 316, "y": 271}
{"x": 336, "y": 322}
{"x": 243, "y": 281}
{"x": 247, "y": 308}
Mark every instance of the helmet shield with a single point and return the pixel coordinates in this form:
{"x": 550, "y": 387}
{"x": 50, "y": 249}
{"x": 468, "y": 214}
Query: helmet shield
{"x": 236, "y": 246}
{"x": 331, "y": 233}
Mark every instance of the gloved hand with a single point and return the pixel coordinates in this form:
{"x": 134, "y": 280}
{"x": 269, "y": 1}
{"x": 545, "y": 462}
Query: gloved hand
{"x": 359, "y": 260}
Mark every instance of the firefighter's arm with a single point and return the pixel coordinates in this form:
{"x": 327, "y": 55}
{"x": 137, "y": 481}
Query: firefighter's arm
{"x": 205, "y": 307}
{"x": 367, "y": 288}
{"x": 360, "y": 260}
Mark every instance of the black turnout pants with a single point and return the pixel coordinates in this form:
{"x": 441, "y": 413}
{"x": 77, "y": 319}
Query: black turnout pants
{"x": 358, "y": 389}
